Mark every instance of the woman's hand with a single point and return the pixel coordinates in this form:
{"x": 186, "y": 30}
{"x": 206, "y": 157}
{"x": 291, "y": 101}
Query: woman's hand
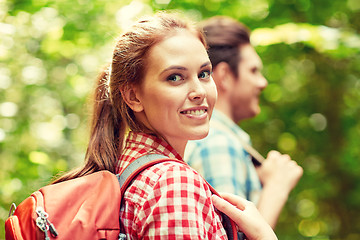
{"x": 245, "y": 214}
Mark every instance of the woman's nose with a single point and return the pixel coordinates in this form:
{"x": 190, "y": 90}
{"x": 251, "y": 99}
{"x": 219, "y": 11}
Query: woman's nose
{"x": 197, "y": 90}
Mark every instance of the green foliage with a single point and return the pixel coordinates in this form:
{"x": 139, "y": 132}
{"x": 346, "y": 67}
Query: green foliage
{"x": 51, "y": 51}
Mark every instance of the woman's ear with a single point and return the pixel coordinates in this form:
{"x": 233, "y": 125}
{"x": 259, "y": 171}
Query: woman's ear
{"x": 130, "y": 96}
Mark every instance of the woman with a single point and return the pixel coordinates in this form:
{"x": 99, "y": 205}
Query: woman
{"x": 160, "y": 87}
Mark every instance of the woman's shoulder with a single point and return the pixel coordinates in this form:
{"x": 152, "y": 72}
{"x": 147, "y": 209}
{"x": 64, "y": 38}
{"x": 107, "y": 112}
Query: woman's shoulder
{"x": 175, "y": 173}
{"x": 165, "y": 190}
{"x": 166, "y": 178}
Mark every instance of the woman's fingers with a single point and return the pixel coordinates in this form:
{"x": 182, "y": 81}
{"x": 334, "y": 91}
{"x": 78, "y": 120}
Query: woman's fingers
{"x": 239, "y": 202}
{"x": 245, "y": 215}
{"x": 229, "y": 209}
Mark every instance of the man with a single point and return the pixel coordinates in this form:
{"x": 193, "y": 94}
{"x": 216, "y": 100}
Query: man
{"x": 221, "y": 158}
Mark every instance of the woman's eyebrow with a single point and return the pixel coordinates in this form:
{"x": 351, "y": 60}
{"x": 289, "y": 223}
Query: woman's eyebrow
{"x": 173, "y": 67}
{"x": 183, "y": 68}
{"x": 206, "y": 64}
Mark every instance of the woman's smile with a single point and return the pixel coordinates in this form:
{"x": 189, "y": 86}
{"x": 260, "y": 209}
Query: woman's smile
{"x": 196, "y": 113}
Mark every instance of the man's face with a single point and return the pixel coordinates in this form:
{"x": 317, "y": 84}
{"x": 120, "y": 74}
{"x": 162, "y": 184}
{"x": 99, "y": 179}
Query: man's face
{"x": 244, "y": 96}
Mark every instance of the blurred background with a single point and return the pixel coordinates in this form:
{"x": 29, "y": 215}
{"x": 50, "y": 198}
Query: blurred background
{"x": 51, "y": 52}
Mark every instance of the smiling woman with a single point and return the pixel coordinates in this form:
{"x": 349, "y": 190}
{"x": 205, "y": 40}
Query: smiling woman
{"x": 177, "y": 96}
{"x": 159, "y": 87}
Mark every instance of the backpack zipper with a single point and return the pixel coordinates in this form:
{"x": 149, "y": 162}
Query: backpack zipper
{"x": 44, "y": 224}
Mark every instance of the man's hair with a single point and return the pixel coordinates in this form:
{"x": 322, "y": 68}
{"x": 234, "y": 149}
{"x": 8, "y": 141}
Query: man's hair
{"x": 224, "y": 37}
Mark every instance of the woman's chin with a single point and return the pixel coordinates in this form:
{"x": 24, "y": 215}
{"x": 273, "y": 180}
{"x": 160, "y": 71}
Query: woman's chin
{"x": 199, "y": 135}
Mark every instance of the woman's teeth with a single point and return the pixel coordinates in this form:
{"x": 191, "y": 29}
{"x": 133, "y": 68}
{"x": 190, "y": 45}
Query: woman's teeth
{"x": 195, "y": 112}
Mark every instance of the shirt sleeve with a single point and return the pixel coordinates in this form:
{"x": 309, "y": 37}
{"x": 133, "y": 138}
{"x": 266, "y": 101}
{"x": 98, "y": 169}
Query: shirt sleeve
{"x": 221, "y": 161}
{"x": 179, "y": 207}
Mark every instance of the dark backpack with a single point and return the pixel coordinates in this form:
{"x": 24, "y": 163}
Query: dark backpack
{"x": 87, "y": 207}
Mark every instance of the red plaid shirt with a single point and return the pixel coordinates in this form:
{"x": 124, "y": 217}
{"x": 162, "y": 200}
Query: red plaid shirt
{"x": 168, "y": 200}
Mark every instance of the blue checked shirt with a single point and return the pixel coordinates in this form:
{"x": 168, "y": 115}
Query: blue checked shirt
{"x": 222, "y": 161}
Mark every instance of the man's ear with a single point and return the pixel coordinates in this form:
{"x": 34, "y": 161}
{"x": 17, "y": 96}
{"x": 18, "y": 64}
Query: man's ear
{"x": 130, "y": 96}
{"x": 223, "y": 77}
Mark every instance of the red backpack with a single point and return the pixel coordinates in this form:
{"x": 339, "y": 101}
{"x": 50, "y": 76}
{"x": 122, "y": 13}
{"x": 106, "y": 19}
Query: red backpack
{"x": 87, "y": 207}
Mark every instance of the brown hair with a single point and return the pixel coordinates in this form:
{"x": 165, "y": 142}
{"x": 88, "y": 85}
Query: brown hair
{"x": 111, "y": 116}
{"x": 224, "y": 37}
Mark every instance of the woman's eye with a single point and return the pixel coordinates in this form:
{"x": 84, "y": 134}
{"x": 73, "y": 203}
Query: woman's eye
{"x": 205, "y": 74}
{"x": 175, "y": 78}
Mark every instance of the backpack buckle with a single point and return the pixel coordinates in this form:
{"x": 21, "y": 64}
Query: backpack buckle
{"x": 12, "y": 209}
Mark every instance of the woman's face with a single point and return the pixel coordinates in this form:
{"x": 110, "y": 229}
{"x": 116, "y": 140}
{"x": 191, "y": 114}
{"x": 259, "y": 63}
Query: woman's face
{"x": 178, "y": 93}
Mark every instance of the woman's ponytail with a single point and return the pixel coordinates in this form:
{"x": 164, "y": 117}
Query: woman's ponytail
{"x": 107, "y": 131}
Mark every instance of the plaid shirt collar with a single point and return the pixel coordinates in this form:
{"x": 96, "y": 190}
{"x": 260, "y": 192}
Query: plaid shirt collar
{"x": 139, "y": 144}
{"x": 220, "y": 118}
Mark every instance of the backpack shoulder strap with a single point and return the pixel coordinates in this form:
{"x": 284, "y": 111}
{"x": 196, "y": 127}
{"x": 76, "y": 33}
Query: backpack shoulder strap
{"x": 229, "y": 225}
{"x": 138, "y": 165}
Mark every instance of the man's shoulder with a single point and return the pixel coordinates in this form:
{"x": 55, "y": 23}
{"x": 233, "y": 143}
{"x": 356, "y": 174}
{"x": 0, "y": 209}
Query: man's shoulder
{"x": 215, "y": 144}
{"x": 222, "y": 136}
